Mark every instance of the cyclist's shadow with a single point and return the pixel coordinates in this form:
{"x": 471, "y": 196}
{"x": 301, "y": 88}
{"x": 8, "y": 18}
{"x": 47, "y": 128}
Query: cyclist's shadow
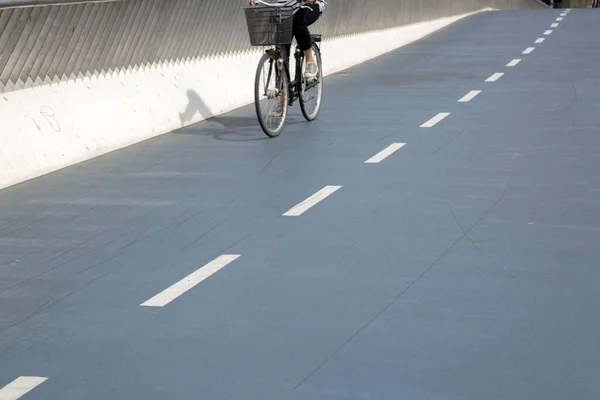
{"x": 195, "y": 105}
{"x": 229, "y": 127}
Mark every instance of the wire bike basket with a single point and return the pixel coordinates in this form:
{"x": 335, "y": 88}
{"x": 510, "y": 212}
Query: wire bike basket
{"x": 268, "y": 26}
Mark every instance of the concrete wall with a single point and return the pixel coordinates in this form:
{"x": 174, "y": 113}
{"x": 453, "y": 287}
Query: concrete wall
{"x": 77, "y": 81}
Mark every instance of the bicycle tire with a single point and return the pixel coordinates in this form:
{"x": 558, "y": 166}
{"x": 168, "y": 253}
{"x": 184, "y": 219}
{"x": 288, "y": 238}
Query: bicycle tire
{"x": 258, "y": 94}
{"x": 308, "y": 115}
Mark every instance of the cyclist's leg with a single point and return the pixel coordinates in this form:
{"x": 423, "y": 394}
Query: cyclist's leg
{"x": 304, "y": 17}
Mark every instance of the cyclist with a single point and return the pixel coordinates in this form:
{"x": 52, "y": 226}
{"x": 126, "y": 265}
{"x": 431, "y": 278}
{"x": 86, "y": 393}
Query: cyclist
{"x": 304, "y": 15}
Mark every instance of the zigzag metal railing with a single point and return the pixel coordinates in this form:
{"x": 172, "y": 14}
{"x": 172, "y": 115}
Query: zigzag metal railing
{"x": 40, "y": 45}
{"x": 5, "y": 4}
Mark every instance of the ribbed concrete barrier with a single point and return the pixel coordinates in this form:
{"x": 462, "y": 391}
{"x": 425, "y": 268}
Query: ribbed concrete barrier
{"x": 80, "y": 80}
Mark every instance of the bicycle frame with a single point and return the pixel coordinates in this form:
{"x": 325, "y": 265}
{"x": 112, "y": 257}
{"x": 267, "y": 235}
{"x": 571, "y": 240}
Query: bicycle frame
{"x": 295, "y": 86}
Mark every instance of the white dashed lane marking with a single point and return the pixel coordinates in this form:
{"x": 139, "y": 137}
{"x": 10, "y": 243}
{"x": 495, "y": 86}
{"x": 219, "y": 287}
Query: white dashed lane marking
{"x": 469, "y": 96}
{"x": 313, "y": 200}
{"x": 540, "y": 40}
{"x": 548, "y": 32}
{"x": 382, "y": 155}
{"x": 554, "y": 25}
{"x": 495, "y": 77}
{"x": 20, "y": 386}
{"x": 435, "y": 120}
{"x": 514, "y": 62}
{"x": 176, "y": 290}
{"x": 528, "y": 50}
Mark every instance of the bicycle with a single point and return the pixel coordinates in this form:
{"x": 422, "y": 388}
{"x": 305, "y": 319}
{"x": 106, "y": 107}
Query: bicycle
{"x": 271, "y": 25}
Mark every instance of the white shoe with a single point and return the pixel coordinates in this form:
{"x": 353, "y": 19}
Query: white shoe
{"x": 311, "y": 70}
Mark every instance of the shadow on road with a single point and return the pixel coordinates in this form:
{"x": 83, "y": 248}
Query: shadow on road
{"x": 226, "y": 127}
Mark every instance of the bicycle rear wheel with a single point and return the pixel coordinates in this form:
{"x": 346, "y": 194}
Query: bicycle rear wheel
{"x": 312, "y": 89}
{"x": 271, "y": 96}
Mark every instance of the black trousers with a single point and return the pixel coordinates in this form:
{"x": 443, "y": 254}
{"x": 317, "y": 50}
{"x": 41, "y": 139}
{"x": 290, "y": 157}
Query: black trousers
{"x": 303, "y": 18}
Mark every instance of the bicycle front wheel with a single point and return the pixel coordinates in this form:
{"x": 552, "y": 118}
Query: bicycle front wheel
{"x": 312, "y": 89}
{"x": 271, "y": 96}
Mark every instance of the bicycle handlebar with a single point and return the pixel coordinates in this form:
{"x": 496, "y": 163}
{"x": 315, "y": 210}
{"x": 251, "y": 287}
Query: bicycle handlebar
{"x": 254, "y": 2}
{"x": 273, "y": 5}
